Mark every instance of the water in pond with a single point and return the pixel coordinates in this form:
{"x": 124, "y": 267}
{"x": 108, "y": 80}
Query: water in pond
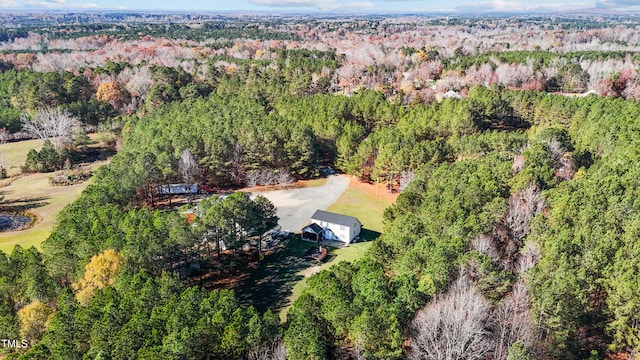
{"x": 10, "y": 222}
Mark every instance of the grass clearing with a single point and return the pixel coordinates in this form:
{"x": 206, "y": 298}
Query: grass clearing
{"x": 33, "y": 193}
{"x": 13, "y": 154}
{"x": 279, "y": 279}
{"x": 350, "y": 253}
{"x": 361, "y": 204}
{"x": 267, "y": 284}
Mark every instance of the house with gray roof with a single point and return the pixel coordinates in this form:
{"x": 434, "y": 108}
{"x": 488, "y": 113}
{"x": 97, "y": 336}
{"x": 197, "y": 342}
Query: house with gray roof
{"x": 326, "y": 225}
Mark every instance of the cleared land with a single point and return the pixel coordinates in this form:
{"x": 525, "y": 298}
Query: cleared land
{"x": 13, "y": 154}
{"x": 276, "y": 281}
{"x": 32, "y": 193}
{"x": 367, "y": 203}
{"x": 295, "y": 206}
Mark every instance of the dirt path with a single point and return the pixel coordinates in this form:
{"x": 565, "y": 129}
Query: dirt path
{"x": 295, "y": 206}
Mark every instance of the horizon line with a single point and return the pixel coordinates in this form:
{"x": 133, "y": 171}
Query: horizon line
{"x": 319, "y": 12}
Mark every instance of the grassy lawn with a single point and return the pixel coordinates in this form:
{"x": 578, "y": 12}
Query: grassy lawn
{"x": 362, "y": 203}
{"x": 280, "y": 278}
{"x": 13, "y": 154}
{"x": 32, "y": 193}
{"x": 269, "y": 285}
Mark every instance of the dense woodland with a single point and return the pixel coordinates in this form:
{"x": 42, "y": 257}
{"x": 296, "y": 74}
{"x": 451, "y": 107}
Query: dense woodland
{"x": 513, "y": 237}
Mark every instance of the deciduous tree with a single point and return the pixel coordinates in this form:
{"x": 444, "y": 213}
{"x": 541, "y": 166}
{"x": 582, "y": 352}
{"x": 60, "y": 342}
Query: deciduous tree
{"x": 34, "y": 319}
{"x": 99, "y": 273}
{"x": 453, "y": 326}
{"x": 56, "y": 124}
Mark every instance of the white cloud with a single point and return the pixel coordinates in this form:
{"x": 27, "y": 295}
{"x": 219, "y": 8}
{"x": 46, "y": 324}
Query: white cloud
{"x": 8, "y": 4}
{"x": 350, "y": 6}
{"x": 288, "y": 3}
{"x": 518, "y": 6}
{"x": 316, "y": 4}
{"x": 618, "y": 4}
{"x": 59, "y": 4}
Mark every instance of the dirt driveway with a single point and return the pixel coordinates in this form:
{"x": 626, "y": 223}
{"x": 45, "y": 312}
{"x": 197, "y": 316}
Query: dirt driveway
{"x": 295, "y": 206}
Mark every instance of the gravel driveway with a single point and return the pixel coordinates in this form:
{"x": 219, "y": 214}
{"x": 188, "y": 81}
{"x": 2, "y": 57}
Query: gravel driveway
{"x": 295, "y": 206}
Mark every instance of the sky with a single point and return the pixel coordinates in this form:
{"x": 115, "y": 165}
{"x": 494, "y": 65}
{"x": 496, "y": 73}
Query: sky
{"x": 376, "y": 6}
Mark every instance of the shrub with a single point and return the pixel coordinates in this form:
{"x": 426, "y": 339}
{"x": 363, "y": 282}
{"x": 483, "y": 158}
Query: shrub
{"x": 47, "y": 160}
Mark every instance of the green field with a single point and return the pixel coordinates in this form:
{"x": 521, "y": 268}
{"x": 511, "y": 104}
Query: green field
{"x": 279, "y": 277}
{"x": 32, "y": 193}
{"x": 359, "y": 203}
{"x": 13, "y": 154}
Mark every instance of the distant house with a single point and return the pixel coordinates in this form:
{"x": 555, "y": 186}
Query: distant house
{"x": 331, "y": 226}
{"x": 451, "y": 95}
{"x": 177, "y": 189}
{"x": 448, "y": 95}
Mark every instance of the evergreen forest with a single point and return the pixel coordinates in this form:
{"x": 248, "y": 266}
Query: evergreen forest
{"x": 513, "y": 235}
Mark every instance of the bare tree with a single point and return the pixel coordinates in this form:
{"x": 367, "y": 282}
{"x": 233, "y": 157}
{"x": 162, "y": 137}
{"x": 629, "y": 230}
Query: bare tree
{"x": 513, "y": 321}
{"x": 282, "y": 177}
{"x": 188, "y": 167}
{"x": 140, "y": 83}
{"x": 274, "y": 351}
{"x": 522, "y": 207}
{"x": 529, "y": 257}
{"x": 4, "y": 135}
{"x": 565, "y": 168}
{"x": 405, "y": 178}
{"x": 485, "y": 245}
{"x": 518, "y": 163}
{"x": 56, "y": 124}
{"x": 556, "y": 148}
{"x": 453, "y": 326}
{"x": 267, "y": 178}
{"x": 252, "y": 177}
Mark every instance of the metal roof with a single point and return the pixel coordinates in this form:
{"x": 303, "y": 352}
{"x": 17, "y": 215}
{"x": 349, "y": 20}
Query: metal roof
{"x": 334, "y": 218}
{"x": 312, "y": 228}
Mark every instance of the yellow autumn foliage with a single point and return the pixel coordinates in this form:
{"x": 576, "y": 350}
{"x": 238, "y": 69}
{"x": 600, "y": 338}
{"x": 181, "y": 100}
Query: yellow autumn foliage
{"x": 34, "y": 319}
{"x": 99, "y": 273}
{"x": 113, "y": 93}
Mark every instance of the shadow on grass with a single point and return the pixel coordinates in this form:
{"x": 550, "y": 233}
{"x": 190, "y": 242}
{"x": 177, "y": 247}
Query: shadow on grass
{"x": 93, "y": 154}
{"x": 369, "y": 235}
{"x": 23, "y": 204}
{"x": 269, "y": 283}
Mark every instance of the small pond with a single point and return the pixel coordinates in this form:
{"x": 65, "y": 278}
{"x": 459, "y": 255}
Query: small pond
{"x": 11, "y": 222}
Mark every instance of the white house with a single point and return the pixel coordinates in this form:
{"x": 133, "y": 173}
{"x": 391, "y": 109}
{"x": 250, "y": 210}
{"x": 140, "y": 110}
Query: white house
{"x": 334, "y": 227}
